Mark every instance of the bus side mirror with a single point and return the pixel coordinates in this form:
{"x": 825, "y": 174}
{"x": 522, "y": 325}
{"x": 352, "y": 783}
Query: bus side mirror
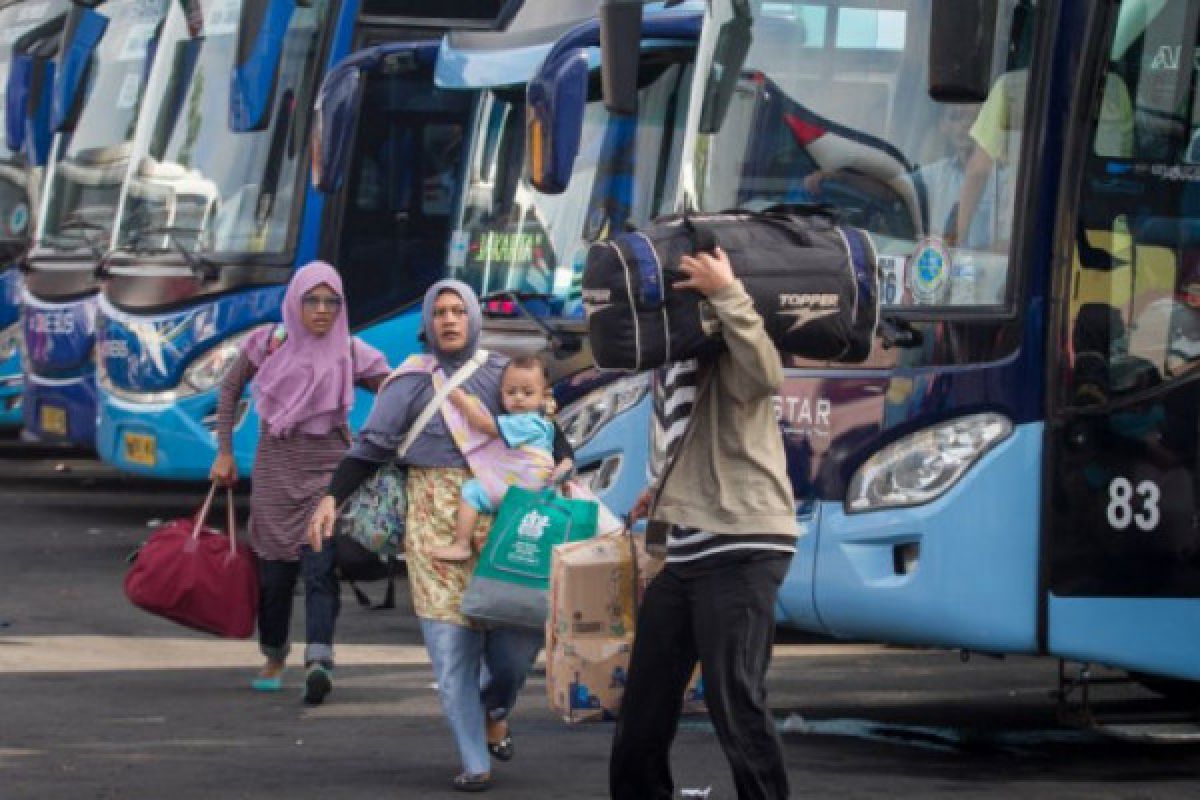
{"x": 961, "y": 37}
{"x": 28, "y": 113}
{"x": 16, "y": 100}
{"x": 260, "y": 39}
{"x": 81, "y": 36}
{"x": 620, "y": 54}
{"x": 733, "y": 43}
{"x": 335, "y": 116}
{"x": 30, "y": 89}
{"x": 557, "y": 98}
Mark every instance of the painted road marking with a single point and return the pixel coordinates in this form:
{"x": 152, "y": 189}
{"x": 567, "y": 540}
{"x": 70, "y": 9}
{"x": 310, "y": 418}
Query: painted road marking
{"x": 41, "y": 654}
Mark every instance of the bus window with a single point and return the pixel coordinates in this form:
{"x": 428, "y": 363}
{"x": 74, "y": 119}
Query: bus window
{"x": 218, "y": 190}
{"x": 833, "y": 108}
{"x": 513, "y": 238}
{"x": 400, "y": 191}
{"x": 1134, "y": 314}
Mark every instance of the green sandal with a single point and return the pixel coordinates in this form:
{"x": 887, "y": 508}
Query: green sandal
{"x": 261, "y": 684}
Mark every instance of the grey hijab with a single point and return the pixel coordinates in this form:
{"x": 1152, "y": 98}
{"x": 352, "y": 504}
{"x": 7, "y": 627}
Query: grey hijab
{"x": 400, "y": 402}
{"x": 452, "y": 361}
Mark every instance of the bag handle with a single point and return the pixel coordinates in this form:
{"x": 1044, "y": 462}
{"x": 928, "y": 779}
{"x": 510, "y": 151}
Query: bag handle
{"x": 804, "y": 209}
{"x": 231, "y": 519}
{"x": 702, "y": 239}
{"x": 633, "y": 560}
{"x": 557, "y": 495}
{"x": 460, "y": 376}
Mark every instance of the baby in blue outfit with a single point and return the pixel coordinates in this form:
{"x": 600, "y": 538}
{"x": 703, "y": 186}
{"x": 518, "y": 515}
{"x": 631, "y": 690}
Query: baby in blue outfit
{"x": 528, "y": 458}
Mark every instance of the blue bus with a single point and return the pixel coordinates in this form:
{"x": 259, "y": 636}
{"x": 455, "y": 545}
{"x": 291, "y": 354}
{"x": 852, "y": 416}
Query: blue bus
{"x": 1014, "y": 469}
{"x": 524, "y": 249}
{"x": 520, "y": 248}
{"x": 216, "y": 212}
{"x": 104, "y": 55}
{"x": 26, "y": 24}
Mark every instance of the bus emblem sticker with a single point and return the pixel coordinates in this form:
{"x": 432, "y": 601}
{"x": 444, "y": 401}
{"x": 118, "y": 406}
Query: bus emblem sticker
{"x": 18, "y": 220}
{"x": 929, "y": 270}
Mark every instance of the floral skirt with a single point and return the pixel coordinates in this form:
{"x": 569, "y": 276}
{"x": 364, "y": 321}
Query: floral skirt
{"x": 437, "y": 586}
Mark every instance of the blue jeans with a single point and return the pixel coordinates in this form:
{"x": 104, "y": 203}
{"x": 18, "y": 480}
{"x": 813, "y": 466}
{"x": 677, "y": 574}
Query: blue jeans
{"x": 322, "y": 602}
{"x": 508, "y": 654}
{"x": 478, "y": 673}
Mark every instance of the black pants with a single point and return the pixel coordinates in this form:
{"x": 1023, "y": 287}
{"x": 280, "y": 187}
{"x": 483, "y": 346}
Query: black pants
{"x": 322, "y": 602}
{"x": 721, "y": 610}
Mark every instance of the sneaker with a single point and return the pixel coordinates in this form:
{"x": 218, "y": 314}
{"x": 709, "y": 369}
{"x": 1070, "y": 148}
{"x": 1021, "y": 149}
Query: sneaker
{"x": 317, "y": 685}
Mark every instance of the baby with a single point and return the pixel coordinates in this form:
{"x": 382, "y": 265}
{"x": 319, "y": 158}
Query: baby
{"x": 529, "y": 436}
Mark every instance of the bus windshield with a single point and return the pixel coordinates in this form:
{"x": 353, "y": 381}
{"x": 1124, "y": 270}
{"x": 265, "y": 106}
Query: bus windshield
{"x": 192, "y": 181}
{"x": 832, "y": 106}
{"x": 89, "y": 162}
{"x": 510, "y": 237}
{"x": 15, "y": 20}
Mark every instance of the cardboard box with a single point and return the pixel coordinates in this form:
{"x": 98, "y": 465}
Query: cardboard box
{"x": 590, "y": 627}
{"x": 585, "y": 678}
{"x": 592, "y": 586}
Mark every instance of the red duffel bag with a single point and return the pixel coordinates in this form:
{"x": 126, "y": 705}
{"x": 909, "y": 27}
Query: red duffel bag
{"x": 197, "y": 576}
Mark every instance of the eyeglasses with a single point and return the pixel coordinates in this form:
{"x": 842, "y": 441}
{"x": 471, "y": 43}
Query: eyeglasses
{"x": 457, "y": 312}
{"x": 315, "y": 302}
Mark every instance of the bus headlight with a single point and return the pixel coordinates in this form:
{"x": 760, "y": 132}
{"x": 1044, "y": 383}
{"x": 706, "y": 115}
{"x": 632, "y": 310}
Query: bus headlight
{"x": 923, "y": 466}
{"x": 581, "y": 420}
{"x": 208, "y": 370}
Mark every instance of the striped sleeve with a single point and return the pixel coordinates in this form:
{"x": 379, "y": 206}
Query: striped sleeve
{"x": 232, "y": 387}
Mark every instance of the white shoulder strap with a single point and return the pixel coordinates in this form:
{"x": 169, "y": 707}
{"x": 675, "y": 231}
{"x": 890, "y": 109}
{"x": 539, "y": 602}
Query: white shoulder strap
{"x": 461, "y": 374}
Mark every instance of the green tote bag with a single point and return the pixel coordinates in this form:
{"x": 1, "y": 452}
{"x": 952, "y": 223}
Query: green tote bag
{"x": 513, "y": 574}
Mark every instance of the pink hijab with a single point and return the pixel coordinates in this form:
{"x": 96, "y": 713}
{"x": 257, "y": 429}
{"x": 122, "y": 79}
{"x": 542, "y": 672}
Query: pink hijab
{"x": 307, "y": 384}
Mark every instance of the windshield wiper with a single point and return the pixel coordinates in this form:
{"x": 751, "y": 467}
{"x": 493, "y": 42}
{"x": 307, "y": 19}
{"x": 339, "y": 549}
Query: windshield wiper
{"x": 898, "y": 332}
{"x": 201, "y": 267}
{"x": 77, "y": 224}
{"x": 566, "y": 343}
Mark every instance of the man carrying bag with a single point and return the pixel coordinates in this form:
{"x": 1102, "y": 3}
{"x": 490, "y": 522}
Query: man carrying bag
{"x": 730, "y": 515}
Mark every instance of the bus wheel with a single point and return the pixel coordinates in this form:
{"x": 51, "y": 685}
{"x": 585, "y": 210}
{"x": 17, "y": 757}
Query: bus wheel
{"x": 1180, "y": 692}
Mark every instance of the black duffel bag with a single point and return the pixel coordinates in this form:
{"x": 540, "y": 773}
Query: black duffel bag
{"x": 815, "y": 283}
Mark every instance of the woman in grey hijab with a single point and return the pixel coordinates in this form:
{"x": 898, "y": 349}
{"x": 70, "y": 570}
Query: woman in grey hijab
{"x": 460, "y": 652}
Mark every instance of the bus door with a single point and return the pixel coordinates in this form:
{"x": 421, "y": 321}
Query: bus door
{"x": 1122, "y": 552}
{"x": 400, "y": 190}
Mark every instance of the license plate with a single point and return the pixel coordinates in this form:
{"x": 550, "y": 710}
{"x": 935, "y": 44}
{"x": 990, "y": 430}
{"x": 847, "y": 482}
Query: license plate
{"x": 54, "y": 420}
{"x": 140, "y": 449}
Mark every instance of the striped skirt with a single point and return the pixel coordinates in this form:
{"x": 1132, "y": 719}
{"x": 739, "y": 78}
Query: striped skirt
{"x": 291, "y": 474}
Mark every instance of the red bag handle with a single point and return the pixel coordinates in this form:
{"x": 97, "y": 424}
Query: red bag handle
{"x": 202, "y": 515}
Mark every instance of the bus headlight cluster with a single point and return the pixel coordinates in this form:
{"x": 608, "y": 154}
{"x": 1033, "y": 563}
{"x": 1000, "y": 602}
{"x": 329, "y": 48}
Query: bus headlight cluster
{"x": 581, "y": 420}
{"x": 208, "y": 370}
{"x": 923, "y": 466}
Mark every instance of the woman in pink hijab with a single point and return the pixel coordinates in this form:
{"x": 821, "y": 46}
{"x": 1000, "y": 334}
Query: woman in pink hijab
{"x": 304, "y": 373}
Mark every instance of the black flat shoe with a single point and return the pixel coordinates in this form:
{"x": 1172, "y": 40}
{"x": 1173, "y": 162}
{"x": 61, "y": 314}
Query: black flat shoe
{"x": 502, "y": 750}
{"x": 467, "y": 782}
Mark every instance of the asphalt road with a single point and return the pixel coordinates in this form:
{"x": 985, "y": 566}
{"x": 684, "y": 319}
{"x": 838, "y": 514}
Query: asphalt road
{"x": 99, "y": 700}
